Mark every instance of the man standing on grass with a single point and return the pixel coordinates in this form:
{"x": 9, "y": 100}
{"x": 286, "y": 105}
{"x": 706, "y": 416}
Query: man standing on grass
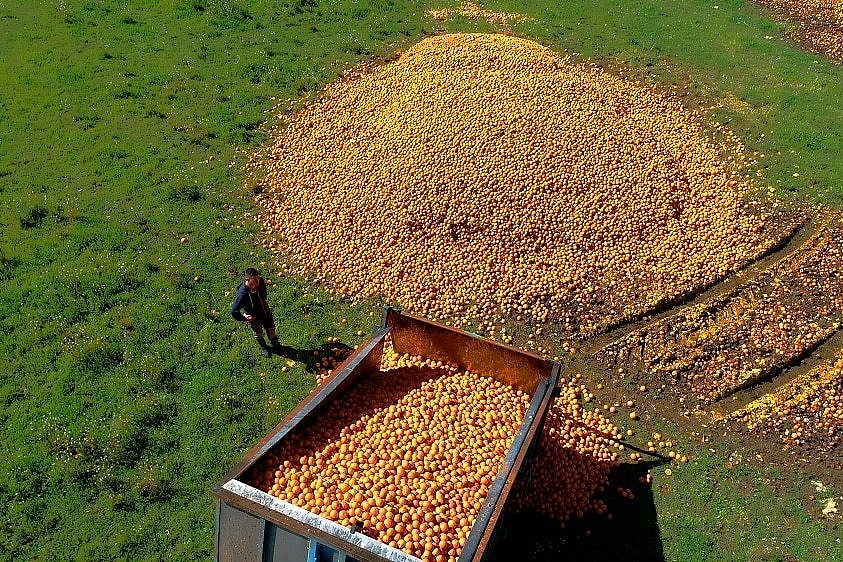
{"x": 250, "y": 306}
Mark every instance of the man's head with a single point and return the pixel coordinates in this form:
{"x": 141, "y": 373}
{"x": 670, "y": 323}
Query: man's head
{"x": 252, "y": 279}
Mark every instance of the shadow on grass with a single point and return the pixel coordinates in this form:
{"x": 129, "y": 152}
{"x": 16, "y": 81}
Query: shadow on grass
{"x": 632, "y": 534}
{"x": 311, "y": 357}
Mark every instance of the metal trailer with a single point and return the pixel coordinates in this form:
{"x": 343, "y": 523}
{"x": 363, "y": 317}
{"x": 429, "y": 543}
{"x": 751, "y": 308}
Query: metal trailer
{"x": 254, "y": 526}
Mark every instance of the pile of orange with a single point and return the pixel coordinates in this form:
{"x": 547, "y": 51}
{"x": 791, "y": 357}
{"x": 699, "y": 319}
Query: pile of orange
{"x": 410, "y": 453}
{"x": 471, "y": 10}
{"x": 819, "y": 23}
{"x": 577, "y": 451}
{"x": 483, "y": 177}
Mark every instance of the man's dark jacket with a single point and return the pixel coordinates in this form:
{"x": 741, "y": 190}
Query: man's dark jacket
{"x": 253, "y": 304}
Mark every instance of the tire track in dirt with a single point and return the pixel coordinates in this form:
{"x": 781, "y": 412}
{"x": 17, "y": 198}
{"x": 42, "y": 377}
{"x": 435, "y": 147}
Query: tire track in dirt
{"x": 801, "y": 235}
{"x": 824, "y": 351}
{"x": 598, "y": 367}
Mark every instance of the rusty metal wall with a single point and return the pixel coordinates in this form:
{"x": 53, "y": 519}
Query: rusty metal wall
{"x": 418, "y": 336}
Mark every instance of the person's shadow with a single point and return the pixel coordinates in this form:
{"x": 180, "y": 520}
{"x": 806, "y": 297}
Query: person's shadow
{"x": 632, "y": 533}
{"x": 312, "y": 357}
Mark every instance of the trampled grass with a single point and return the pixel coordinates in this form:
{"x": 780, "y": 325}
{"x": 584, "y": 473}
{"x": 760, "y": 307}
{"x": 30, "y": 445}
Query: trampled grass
{"x": 126, "y": 390}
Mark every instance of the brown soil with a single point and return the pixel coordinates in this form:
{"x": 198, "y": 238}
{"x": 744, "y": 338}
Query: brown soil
{"x": 819, "y": 23}
{"x": 616, "y": 360}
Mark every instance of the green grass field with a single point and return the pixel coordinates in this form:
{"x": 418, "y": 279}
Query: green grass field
{"x": 127, "y": 390}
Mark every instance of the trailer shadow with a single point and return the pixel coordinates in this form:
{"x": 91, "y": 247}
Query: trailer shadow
{"x": 632, "y": 534}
